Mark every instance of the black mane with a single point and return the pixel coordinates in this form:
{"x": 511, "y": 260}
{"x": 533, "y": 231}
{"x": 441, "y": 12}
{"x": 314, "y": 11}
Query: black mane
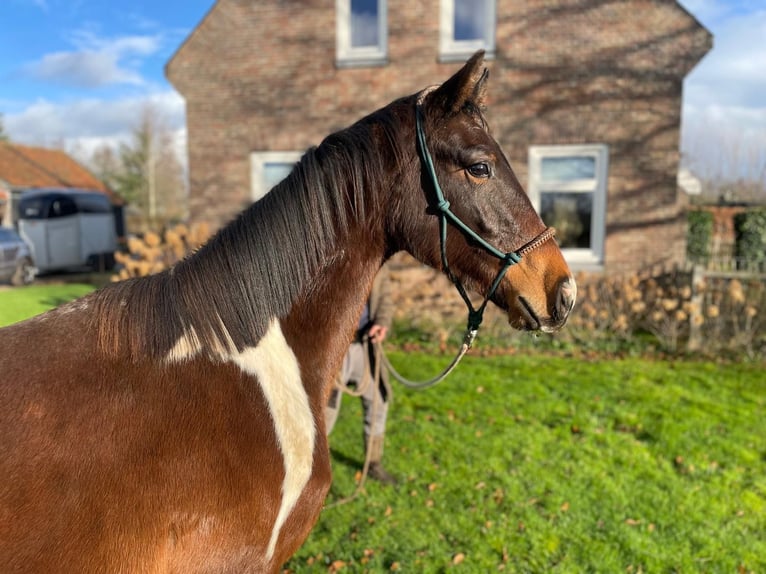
{"x": 256, "y": 267}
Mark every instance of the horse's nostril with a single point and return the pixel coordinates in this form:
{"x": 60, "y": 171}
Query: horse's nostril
{"x": 566, "y": 297}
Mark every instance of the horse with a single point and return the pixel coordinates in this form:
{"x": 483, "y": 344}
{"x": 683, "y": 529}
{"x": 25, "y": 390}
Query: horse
{"x": 174, "y": 423}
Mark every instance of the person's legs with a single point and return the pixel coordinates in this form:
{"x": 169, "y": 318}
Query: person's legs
{"x": 351, "y": 371}
{"x": 375, "y": 405}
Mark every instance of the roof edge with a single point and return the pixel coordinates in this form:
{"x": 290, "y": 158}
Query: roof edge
{"x": 169, "y": 64}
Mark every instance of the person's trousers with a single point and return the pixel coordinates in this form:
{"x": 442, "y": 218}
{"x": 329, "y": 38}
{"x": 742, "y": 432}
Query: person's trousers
{"x": 357, "y": 372}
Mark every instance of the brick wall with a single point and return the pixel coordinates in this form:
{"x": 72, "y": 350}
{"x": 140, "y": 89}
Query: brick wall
{"x": 262, "y": 76}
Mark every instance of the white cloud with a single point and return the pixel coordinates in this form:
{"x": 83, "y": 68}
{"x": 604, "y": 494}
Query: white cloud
{"x": 83, "y": 69}
{"x": 724, "y": 111}
{"x": 120, "y": 45}
{"x": 733, "y": 72}
{"x": 86, "y": 124}
{"x": 96, "y": 61}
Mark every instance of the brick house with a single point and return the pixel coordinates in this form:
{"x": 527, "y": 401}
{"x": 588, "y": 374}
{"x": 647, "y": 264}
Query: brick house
{"x": 585, "y": 98}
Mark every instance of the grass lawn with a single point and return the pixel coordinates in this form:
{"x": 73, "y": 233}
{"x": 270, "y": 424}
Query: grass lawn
{"x": 545, "y": 464}
{"x": 19, "y": 303}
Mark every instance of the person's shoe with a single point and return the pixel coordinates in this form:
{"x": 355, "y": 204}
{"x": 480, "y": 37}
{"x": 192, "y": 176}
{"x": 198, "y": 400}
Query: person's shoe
{"x": 377, "y": 472}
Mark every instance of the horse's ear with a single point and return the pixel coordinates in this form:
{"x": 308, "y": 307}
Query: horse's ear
{"x": 468, "y": 85}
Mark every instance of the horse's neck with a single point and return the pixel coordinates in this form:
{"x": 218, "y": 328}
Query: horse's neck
{"x": 322, "y": 321}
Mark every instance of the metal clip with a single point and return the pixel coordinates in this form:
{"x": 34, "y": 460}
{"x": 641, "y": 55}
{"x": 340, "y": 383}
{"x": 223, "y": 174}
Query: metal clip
{"x": 470, "y": 336}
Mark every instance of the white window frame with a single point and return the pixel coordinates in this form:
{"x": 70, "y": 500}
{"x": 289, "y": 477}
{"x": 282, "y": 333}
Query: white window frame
{"x": 451, "y": 50}
{"x": 577, "y": 257}
{"x": 258, "y": 162}
{"x": 349, "y": 56}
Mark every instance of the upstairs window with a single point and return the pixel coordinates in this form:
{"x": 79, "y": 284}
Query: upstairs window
{"x": 361, "y": 32}
{"x": 268, "y": 168}
{"x": 466, "y": 26}
{"x": 567, "y": 185}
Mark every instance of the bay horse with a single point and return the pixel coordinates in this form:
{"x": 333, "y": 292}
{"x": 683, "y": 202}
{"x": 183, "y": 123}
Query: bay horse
{"x": 174, "y": 423}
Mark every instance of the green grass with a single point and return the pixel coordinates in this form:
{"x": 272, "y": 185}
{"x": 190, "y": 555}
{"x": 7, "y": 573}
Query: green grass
{"x": 546, "y": 464}
{"x": 20, "y": 303}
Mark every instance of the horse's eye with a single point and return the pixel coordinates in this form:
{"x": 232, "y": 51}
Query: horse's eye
{"x": 479, "y": 170}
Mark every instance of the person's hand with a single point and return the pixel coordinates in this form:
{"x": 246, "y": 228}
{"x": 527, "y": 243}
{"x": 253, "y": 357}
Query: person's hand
{"x": 377, "y": 333}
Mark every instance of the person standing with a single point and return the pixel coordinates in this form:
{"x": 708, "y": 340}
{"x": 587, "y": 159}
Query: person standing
{"x": 359, "y": 369}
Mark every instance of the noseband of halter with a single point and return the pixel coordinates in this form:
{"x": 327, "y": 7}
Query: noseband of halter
{"x": 442, "y": 207}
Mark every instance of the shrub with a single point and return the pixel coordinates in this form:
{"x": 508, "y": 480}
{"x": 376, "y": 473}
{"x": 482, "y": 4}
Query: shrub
{"x": 750, "y": 228}
{"x": 699, "y": 236}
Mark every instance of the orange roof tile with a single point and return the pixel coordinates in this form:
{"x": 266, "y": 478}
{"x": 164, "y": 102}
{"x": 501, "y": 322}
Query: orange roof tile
{"x": 35, "y": 167}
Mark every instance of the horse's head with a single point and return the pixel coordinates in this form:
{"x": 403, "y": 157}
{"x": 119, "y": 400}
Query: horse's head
{"x": 479, "y": 189}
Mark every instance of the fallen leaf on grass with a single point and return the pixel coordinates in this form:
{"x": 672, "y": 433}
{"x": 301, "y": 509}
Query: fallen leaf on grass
{"x": 458, "y": 558}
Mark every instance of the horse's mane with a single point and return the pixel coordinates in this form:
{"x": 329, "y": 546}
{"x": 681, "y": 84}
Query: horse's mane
{"x": 255, "y": 268}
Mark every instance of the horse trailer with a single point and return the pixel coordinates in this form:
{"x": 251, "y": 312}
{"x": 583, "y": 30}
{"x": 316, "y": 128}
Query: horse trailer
{"x": 68, "y": 228}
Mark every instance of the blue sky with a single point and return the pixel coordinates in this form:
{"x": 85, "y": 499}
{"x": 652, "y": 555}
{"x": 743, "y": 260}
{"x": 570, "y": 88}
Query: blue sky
{"x": 80, "y": 72}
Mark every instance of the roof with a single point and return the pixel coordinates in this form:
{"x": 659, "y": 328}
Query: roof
{"x": 26, "y": 167}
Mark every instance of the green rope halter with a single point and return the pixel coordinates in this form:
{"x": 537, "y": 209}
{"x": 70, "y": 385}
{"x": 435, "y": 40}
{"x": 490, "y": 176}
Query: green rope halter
{"x": 475, "y": 316}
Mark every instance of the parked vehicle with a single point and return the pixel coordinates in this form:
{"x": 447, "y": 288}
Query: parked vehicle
{"x": 68, "y": 228}
{"x": 16, "y": 263}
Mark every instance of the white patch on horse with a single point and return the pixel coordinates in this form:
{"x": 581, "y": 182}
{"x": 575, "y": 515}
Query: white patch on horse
{"x": 190, "y": 344}
{"x": 274, "y": 364}
{"x": 186, "y": 347}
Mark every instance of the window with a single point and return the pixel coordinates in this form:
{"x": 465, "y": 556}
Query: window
{"x": 62, "y": 206}
{"x": 361, "y": 32}
{"x": 268, "y": 168}
{"x": 92, "y": 203}
{"x": 466, "y": 26}
{"x": 567, "y": 185}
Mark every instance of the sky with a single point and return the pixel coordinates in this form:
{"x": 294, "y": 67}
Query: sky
{"x": 79, "y": 73}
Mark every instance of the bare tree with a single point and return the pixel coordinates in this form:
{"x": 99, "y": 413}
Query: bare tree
{"x": 724, "y": 156}
{"x": 106, "y": 165}
{"x": 146, "y": 172}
